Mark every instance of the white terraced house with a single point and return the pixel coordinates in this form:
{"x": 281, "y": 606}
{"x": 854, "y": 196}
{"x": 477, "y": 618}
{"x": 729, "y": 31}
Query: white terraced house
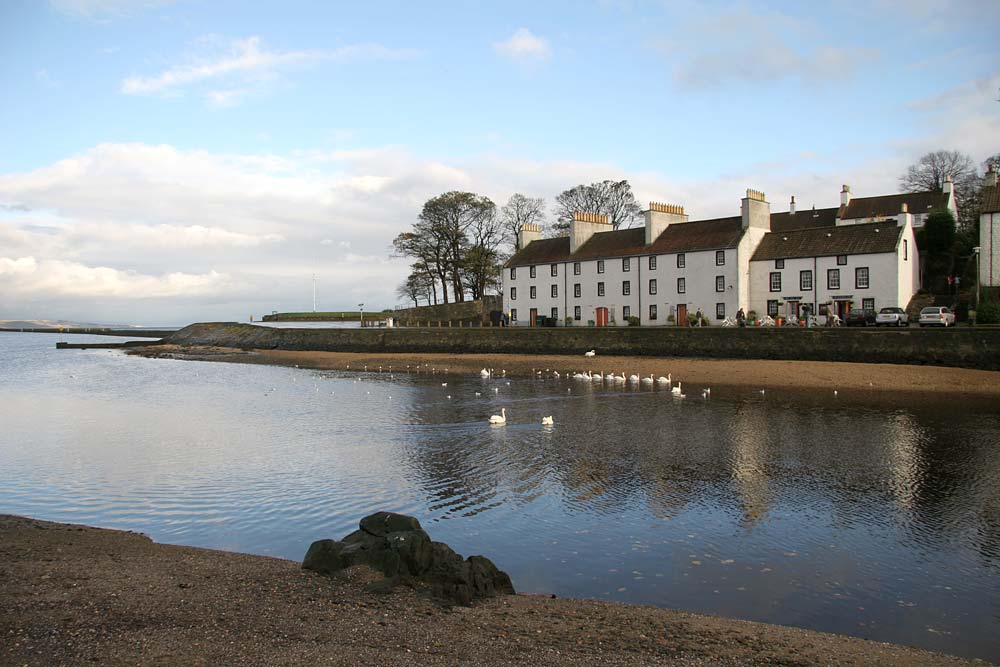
{"x": 672, "y": 267}
{"x": 989, "y": 232}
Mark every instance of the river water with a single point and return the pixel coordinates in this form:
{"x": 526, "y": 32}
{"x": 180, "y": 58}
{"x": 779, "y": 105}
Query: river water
{"x": 868, "y": 515}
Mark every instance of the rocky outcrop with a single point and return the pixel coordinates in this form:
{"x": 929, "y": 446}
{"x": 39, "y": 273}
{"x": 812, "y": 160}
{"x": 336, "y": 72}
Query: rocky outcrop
{"x": 396, "y": 546}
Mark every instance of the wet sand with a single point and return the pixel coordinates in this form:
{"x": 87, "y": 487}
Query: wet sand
{"x": 791, "y": 375}
{"x": 73, "y": 595}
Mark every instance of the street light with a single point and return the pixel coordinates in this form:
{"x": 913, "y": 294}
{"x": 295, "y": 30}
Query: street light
{"x": 361, "y": 307}
{"x": 976, "y": 250}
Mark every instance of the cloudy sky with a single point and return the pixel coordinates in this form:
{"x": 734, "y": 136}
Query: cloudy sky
{"x": 166, "y": 162}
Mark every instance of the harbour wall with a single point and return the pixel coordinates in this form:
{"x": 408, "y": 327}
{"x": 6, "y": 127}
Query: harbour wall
{"x": 965, "y": 347}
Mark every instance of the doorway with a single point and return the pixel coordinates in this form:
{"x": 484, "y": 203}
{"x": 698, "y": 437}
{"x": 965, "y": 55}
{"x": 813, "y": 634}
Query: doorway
{"x": 682, "y": 315}
{"x": 533, "y": 317}
{"x": 602, "y": 316}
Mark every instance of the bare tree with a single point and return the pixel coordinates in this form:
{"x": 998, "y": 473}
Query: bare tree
{"x": 518, "y": 212}
{"x": 416, "y": 286}
{"x": 611, "y": 198}
{"x": 931, "y": 170}
{"x": 430, "y": 249}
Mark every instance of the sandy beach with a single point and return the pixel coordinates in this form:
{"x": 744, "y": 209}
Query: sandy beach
{"x": 750, "y": 373}
{"x": 72, "y": 595}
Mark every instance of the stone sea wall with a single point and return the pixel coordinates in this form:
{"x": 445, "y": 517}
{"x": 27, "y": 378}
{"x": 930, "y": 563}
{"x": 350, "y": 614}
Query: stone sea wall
{"x": 960, "y": 347}
{"x": 465, "y": 311}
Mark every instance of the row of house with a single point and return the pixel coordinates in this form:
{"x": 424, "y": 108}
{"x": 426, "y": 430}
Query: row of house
{"x": 989, "y": 232}
{"x": 862, "y": 253}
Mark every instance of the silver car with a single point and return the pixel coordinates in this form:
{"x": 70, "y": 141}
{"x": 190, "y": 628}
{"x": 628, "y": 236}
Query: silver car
{"x": 937, "y": 316}
{"x": 892, "y": 316}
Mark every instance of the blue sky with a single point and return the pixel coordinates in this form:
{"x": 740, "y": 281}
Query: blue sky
{"x": 172, "y": 161}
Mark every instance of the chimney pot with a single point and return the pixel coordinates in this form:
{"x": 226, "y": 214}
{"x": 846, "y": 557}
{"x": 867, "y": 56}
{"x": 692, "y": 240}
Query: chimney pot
{"x": 904, "y": 208}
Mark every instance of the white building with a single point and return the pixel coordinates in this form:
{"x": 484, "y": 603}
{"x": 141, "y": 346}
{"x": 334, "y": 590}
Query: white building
{"x": 989, "y": 233}
{"x": 671, "y": 267}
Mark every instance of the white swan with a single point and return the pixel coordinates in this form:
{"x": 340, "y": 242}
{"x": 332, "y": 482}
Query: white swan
{"x": 484, "y": 373}
{"x": 590, "y": 354}
{"x": 634, "y": 379}
{"x": 500, "y": 418}
{"x": 547, "y": 421}
{"x": 663, "y": 380}
{"x": 676, "y": 391}
{"x": 648, "y": 380}
{"x": 597, "y": 377}
{"x": 620, "y": 379}
{"x": 610, "y": 377}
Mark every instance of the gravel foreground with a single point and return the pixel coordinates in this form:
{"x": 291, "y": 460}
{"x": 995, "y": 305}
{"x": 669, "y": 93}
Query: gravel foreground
{"x": 74, "y": 595}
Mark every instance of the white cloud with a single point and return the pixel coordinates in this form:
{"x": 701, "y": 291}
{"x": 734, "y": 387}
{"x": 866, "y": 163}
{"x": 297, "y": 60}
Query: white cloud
{"x": 57, "y": 278}
{"x": 524, "y": 47}
{"x": 246, "y": 58}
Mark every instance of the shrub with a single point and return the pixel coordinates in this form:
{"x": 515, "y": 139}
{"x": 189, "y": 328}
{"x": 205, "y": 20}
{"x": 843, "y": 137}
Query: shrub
{"x": 633, "y": 320}
{"x": 569, "y": 321}
{"x": 988, "y": 313}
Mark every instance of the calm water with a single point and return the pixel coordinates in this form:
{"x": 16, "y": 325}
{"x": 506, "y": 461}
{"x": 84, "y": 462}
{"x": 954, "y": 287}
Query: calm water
{"x": 863, "y": 515}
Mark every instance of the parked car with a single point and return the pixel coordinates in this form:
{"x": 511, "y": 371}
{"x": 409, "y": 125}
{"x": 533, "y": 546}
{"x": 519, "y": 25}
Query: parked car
{"x": 892, "y": 316}
{"x": 937, "y": 316}
{"x": 861, "y": 317}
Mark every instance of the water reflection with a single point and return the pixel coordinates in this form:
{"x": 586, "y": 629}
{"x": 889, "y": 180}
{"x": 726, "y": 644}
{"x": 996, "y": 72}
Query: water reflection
{"x": 858, "y": 515}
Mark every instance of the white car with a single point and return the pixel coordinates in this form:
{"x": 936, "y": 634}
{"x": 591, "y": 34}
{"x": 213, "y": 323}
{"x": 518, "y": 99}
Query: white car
{"x": 892, "y": 316}
{"x": 937, "y": 316}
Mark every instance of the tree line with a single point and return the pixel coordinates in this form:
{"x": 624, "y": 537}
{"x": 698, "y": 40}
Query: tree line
{"x": 461, "y": 239}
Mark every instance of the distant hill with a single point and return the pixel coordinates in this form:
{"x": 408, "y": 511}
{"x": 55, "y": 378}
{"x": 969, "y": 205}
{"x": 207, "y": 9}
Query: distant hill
{"x": 68, "y": 324}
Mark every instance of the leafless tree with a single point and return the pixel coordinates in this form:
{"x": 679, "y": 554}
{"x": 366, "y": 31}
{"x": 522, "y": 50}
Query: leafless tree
{"x": 611, "y": 198}
{"x": 418, "y": 285}
{"x": 931, "y": 170}
{"x": 518, "y": 212}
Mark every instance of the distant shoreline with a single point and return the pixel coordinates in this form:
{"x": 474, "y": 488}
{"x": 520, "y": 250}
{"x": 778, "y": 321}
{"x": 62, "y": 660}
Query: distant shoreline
{"x": 75, "y": 594}
{"x": 844, "y": 377}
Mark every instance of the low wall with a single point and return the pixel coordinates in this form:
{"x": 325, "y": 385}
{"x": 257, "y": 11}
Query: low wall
{"x": 463, "y": 311}
{"x": 961, "y": 347}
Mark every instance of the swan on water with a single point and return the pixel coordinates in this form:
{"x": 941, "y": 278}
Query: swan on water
{"x": 648, "y": 380}
{"x": 610, "y": 377}
{"x": 500, "y": 418}
{"x": 547, "y": 421}
{"x": 634, "y": 379}
{"x": 676, "y": 391}
{"x": 663, "y": 380}
{"x": 484, "y": 373}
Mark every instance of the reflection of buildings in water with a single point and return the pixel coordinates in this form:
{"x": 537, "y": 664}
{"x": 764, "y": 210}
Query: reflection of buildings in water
{"x": 748, "y": 433}
{"x": 904, "y": 460}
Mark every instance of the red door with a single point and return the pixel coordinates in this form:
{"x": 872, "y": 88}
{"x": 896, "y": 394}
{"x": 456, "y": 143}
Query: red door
{"x": 602, "y": 317}
{"x": 682, "y": 315}
{"x": 533, "y": 315}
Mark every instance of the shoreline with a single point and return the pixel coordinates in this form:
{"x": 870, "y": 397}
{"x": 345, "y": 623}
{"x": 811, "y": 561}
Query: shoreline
{"x": 78, "y": 594}
{"x": 754, "y": 374}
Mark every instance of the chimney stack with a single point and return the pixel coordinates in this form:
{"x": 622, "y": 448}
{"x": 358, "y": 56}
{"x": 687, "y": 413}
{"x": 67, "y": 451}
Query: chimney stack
{"x": 904, "y": 215}
{"x": 528, "y": 233}
{"x": 659, "y": 217}
{"x": 845, "y": 195}
{"x": 948, "y": 186}
{"x": 755, "y": 210}
{"x": 991, "y": 177}
{"x": 585, "y": 225}
{"x": 791, "y": 206}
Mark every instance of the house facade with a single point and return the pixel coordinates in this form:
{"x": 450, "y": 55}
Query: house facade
{"x": 989, "y": 232}
{"x": 671, "y": 267}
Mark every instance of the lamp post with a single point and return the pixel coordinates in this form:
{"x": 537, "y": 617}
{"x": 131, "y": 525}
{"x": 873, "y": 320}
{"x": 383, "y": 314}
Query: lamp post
{"x": 361, "y": 307}
{"x": 977, "y": 250}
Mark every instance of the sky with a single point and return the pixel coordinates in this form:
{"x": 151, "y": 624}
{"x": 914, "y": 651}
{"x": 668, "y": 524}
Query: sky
{"x": 164, "y": 162}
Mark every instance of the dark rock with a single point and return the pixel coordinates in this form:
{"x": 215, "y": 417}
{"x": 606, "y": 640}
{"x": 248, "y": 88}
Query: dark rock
{"x": 397, "y": 546}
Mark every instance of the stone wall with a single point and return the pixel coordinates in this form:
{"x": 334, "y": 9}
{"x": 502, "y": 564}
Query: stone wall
{"x": 464, "y": 311}
{"x": 961, "y": 347}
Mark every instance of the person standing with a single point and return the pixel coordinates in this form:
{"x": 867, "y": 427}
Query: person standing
{"x": 741, "y": 318}
{"x": 698, "y": 317}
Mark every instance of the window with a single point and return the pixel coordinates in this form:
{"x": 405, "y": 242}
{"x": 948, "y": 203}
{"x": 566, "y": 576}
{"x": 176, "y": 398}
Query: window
{"x": 720, "y": 257}
{"x": 513, "y": 273}
{"x": 720, "y": 283}
{"x": 779, "y": 263}
{"x": 626, "y": 288}
{"x": 555, "y": 313}
{"x": 626, "y": 312}
{"x": 805, "y": 280}
{"x": 681, "y": 286}
{"x": 513, "y": 314}
{"x": 833, "y": 278}
{"x": 775, "y": 281}
{"x": 600, "y": 289}
{"x": 531, "y": 271}
{"x": 532, "y": 293}
{"x": 576, "y": 313}
{"x": 600, "y": 266}
{"x": 576, "y": 290}
{"x": 680, "y": 260}
{"x": 626, "y": 264}
{"x": 772, "y": 308}
{"x": 906, "y": 250}
{"x": 576, "y": 268}
{"x": 652, "y": 285}
{"x": 861, "y": 277}
{"x": 553, "y": 270}
{"x": 720, "y": 311}
{"x": 868, "y": 303}
{"x": 513, "y": 294}
{"x": 652, "y": 311}
{"x": 841, "y": 260}
{"x": 652, "y": 262}
{"x": 555, "y": 291}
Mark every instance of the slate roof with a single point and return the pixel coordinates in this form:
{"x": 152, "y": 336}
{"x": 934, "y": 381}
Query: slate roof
{"x": 991, "y": 199}
{"x": 679, "y": 237}
{"x": 817, "y": 217}
{"x": 886, "y": 205}
{"x": 868, "y": 238}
